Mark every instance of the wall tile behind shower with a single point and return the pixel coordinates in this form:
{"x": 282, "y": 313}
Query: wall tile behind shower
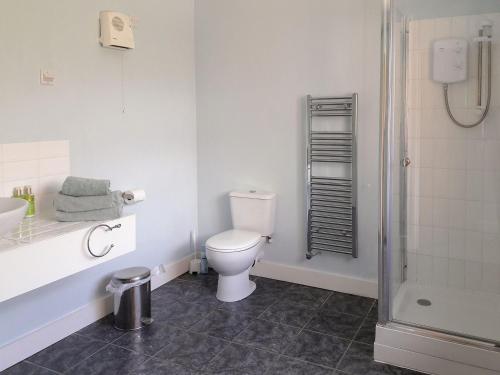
{"x": 473, "y": 246}
{"x": 424, "y": 269}
{"x": 440, "y": 271}
{"x": 456, "y": 273}
{"x": 473, "y": 275}
{"x": 491, "y": 278}
{"x": 474, "y": 189}
{"x": 457, "y": 244}
{"x": 425, "y": 33}
{"x": 442, "y": 28}
{"x": 457, "y": 214}
{"x": 491, "y": 248}
{"x": 454, "y": 178}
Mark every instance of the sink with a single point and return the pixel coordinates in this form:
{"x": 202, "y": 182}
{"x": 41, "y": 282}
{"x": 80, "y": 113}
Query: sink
{"x": 12, "y": 211}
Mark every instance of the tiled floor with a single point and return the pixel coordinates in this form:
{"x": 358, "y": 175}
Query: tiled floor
{"x": 282, "y": 328}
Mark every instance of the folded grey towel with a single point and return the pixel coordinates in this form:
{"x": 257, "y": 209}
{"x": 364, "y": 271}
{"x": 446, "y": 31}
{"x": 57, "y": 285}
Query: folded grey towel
{"x": 68, "y": 203}
{"x": 82, "y": 187}
{"x": 95, "y": 215}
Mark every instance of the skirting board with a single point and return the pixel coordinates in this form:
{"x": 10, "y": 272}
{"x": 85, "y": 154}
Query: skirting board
{"x": 318, "y": 279}
{"x": 54, "y": 331}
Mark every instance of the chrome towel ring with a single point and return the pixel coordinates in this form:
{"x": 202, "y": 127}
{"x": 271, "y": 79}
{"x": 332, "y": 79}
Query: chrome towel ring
{"x": 107, "y": 228}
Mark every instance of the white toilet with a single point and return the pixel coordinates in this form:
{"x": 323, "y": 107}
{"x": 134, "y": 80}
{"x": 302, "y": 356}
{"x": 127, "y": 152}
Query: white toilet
{"x": 233, "y": 252}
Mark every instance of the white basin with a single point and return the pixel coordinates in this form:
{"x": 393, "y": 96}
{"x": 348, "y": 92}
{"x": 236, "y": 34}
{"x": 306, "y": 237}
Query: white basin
{"x": 12, "y": 211}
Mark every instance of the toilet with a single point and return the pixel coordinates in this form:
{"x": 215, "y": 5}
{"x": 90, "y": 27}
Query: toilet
{"x": 232, "y": 253}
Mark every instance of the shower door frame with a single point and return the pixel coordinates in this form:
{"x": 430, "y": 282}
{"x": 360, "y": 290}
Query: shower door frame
{"x": 387, "y": 153}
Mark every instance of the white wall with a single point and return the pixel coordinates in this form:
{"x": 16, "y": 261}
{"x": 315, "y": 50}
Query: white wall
{"x": 151, "y": 145}
{"x": 424, "y": 9}
{"x": 454, "y": 180}
{"x": 255, "y": 62}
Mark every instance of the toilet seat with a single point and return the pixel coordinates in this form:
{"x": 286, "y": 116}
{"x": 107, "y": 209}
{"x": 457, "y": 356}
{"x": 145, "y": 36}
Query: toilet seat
{"x": 233, "y": 240}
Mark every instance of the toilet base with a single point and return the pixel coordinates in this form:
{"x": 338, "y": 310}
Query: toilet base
{"x": 235, "y": 288}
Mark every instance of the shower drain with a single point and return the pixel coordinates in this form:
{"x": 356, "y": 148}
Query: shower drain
{"x": 424, "y": 302}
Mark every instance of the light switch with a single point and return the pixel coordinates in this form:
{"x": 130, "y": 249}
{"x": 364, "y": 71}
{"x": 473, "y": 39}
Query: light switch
{"x": 47, "y": 77}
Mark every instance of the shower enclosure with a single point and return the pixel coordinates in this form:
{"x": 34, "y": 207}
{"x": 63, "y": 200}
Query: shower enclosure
{"x": 439, "y": 261}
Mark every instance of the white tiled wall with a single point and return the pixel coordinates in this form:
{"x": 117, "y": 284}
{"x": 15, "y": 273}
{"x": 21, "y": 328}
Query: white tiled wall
{"x": 454, "y": 180}
{"x": 43, "y": 165}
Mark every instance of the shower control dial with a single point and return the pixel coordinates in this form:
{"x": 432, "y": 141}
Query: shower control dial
{"x": 406, "y": 162}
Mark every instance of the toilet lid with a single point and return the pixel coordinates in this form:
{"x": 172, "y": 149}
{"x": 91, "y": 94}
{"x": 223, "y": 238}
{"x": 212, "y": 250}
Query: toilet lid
{"x": 233, "y": 240}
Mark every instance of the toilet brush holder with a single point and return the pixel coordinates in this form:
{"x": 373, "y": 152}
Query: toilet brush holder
{"x": 194, "y": 266}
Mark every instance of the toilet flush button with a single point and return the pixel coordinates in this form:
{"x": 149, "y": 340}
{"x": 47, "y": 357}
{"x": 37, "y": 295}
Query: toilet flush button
{"x": 253, "y": 191}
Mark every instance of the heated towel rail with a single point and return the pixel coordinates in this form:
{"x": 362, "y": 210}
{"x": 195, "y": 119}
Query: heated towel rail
{"x": 331, "y": 176}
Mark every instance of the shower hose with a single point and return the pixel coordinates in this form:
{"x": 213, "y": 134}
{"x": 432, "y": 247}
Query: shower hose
{"x": 488, "y": 100}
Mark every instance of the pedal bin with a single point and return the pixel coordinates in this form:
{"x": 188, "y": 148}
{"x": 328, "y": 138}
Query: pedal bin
{"x": 132, "y": 298}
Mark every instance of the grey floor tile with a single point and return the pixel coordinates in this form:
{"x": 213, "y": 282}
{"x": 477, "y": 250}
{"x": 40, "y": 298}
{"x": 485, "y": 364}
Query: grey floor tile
{"x": 289, "y": 366}
{"x": 241, "y": 360}
{"x": 176, "y": 289}
{"x": 288, "y": 313}
{"x": 204, "y": 295}
{"x": 317, "y": 348}
{"x": 373, "y": 314}
{"x": 267, "y": 335}
{"x": 154, "y": 366}
{"x": 254, "y": 304}
{"x": 191, "y": 328}
{"x": 335, "y": 323}
{"x": 150, "y": 339}
{"x": 110, "y": 360}
{"x": 188, "y": 291}
{"x": 366, "y": 333}
{"x": 359, "y": 360}
{"x": 192, "y": 350}
{"x": 103, "y": 330}
{"x": 181, "y": 314}
{"x": 210, "y": 277}
{"x": 348, "y": 303}
{"x": 161, "y": 298}
{"x": 25, "y": 368}
{"x": 66, "y": 353}
{"x": 265, "y": 285}
{"x": 306, "y": 296}
{"x": 223, "y": 324}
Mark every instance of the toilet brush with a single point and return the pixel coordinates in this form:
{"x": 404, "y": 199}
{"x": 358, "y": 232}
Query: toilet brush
{"x": 194, "y": 265}
{"x": 204, "y": 263}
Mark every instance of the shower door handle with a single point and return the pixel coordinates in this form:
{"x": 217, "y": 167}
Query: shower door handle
{"x": 406, "y": 162}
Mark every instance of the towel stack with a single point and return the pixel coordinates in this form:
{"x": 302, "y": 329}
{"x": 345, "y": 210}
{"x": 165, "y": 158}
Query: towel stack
{"x": 86, "y": 199}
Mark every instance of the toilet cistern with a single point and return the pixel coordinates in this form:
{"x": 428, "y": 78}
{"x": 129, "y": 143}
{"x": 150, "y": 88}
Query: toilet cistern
{"x": 233, "y": 252}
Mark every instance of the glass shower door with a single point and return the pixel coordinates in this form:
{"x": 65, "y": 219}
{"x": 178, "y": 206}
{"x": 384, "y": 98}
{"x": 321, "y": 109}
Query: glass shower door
{"x": 442, "y": 261}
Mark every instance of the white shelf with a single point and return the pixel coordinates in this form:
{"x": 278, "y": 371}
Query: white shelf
{"x": 37, "y": 229}
{"x": 41, "y": 251}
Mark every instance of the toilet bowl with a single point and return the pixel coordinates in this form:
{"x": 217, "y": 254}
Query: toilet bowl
{"x": 232, "y": 253}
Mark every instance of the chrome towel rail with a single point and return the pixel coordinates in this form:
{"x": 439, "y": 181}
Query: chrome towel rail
{"x": 331, "y": 197}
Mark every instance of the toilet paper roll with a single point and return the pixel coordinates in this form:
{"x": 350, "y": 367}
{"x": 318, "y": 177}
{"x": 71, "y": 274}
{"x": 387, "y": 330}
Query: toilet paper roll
{"x": 134, "y": 196}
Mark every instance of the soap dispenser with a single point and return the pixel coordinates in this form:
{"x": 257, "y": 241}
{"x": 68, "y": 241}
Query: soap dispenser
{"x": 17, "y": 192}
{"x": 30, "y": 198}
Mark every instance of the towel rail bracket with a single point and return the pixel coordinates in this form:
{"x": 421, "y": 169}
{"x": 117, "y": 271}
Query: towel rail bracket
{"x": 108, "y": 248}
